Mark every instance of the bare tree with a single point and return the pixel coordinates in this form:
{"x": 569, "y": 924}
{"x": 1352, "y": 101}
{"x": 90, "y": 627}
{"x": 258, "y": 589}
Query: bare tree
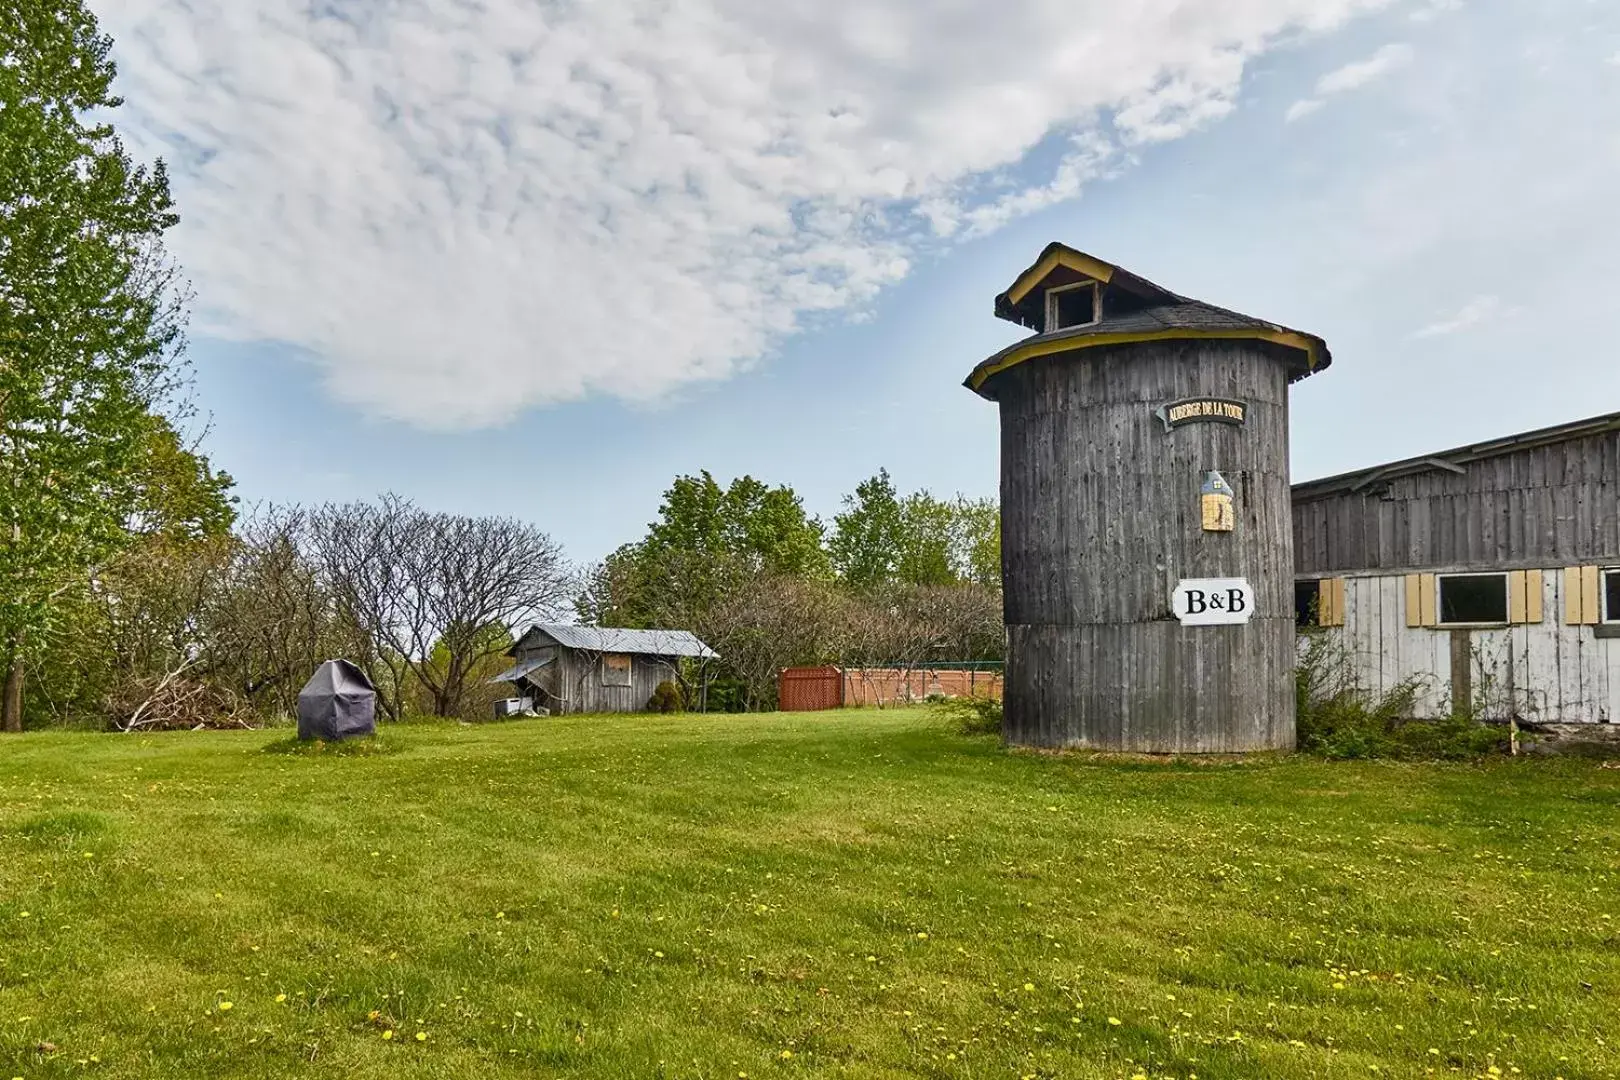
{"x": 420, "y": 583}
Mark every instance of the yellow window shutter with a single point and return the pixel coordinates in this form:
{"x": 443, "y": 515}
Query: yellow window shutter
{"x": 1336, "y": 587}
{"x": 1572, "y": 596}
{"x": 1534, "y": 585}
{"x": 1591, "y": 611}
{"x": 1426, "y": 594}
{"x": 1414, "y": 600}
{"x": 1518, "y": 596}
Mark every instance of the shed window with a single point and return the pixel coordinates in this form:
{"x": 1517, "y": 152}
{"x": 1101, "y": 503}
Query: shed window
{"x": 1611, "y": 596}
{"x": 1071, "y": 305}
{"x": 1473, "y": 598}
{"x": 615, "y": 669}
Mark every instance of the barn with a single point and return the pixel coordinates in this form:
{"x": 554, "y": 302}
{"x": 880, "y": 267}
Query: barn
{"x": 1489, "y": 573}
{"x": 589, "y": 669}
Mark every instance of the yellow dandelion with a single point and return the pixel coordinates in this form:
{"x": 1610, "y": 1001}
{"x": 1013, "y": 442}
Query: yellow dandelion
{"x": 786, "y": 1054}
{"x": 1114, "y": 1021}
{"x": 387, "y": 1035}
{"x": 1029, "y": 986}
{"x": 226, "y": 1006}
{"x": 922, "y": 937}
{"x": 421, "y": 1036}
{"x": 280, "y": 998}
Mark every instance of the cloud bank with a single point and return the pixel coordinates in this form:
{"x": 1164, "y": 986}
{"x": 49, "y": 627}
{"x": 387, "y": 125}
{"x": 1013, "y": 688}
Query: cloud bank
{"x": 462, "y": 210}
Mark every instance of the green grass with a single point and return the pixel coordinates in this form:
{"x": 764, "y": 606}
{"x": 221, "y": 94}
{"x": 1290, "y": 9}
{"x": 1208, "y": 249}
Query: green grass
{"x": 869, "y": 893}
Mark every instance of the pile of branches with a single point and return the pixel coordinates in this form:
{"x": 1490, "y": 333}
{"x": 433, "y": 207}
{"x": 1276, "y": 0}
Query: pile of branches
{"x": 176, "y": 703}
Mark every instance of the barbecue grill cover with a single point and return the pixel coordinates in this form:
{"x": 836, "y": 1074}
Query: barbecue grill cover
{"x": 338, "y": 702}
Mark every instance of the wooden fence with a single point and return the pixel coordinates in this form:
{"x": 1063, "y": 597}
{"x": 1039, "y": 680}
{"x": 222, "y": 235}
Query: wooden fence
{"x": 809, "y": 688}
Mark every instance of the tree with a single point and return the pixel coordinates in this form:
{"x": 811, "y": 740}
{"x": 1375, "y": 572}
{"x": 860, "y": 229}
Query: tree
{"x": 421, "y": 583}
{"x": 91, "y": 319}
{"x": 926, "y": 554}
{"x": 867, "y": 537}
{"x": 976, "y": 541}
{"x": 708, "y": 541}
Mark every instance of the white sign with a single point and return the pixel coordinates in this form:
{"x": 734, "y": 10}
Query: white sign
{"x": 1212, "y": 601}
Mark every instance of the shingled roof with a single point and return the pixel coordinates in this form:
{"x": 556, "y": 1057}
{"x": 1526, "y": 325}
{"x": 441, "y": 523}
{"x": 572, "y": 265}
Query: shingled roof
{"x": 1153, "y": 313}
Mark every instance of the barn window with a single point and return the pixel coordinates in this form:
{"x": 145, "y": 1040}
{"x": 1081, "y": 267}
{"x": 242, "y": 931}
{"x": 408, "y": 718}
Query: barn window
{"x": 1307, "y": 603}
{"x": 615, "y": 669}
{"x": 1071, "y": 305}
{"x": 1473, "y": 598}
{"x": 1611, "y": 596}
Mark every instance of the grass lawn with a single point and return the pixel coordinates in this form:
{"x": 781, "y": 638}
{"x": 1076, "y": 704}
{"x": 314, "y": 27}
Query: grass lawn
{"x": 845, "y": 894}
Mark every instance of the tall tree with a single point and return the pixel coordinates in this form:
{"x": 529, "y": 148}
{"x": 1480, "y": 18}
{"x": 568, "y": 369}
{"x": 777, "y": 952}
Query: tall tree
{"x": 867, "y": 536}
{"x": 708, "y": 542}
{"x": 91, "y": 318}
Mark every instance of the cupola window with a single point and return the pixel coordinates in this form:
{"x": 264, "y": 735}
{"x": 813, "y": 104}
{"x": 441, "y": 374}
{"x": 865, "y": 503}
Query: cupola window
{"x": 1071, "y": 305}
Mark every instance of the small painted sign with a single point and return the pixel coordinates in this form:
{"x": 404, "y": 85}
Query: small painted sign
{"x": 1215, "y": 499}
{"x": 1202, "y": 410}
{"x": 1212, "y": 601}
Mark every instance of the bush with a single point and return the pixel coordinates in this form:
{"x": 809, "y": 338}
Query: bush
{"x": 666, "y": 698}
{"x": 1339, "y": 720}
{"x": 972, "y": 715}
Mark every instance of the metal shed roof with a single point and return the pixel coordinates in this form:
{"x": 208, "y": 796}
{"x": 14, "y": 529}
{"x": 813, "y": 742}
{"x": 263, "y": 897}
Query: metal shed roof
{"x": 615, "y": 640}
{"x": 513, "y": 674}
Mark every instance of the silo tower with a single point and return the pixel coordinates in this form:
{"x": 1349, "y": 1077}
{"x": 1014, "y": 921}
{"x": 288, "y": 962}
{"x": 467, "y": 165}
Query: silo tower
{"x": 1147, "y": 551}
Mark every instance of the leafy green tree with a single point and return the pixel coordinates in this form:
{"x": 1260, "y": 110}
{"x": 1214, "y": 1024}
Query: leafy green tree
{"x": 867, "y": 537}
{"x": 91, "y": 319}
{"x": 707, "y": 542}
{"x": 976, "y": 541}
{"x": 927, "y": 534}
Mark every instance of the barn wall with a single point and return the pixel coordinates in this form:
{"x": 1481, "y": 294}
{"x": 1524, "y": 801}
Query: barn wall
{"x": 1548, "y": 671}
{"x": 1552, "y": 505}
{"x": 1101, "y": 518}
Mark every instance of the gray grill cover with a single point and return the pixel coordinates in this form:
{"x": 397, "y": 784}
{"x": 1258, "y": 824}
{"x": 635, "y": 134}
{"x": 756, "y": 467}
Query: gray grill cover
{"x": 338, "y": 702}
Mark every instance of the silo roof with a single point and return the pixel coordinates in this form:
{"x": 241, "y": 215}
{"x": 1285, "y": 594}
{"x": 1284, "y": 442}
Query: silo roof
{"x": 1161, "y": 316}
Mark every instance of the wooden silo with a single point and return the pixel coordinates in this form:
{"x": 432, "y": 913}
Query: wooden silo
{"x": 1147, "y": 558}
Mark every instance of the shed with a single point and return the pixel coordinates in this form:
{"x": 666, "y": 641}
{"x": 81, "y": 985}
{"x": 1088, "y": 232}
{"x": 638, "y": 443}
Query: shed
{"x": 1147, "y": 559}
{"x": 592, "y": 669}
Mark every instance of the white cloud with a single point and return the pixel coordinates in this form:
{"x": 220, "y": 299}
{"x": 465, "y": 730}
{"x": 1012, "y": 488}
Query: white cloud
{"x": 1352, "y": 76}
{"x": 1468, "y": 316}
{"x": 1301, "y": 108}
{"x": 461, "y": 210}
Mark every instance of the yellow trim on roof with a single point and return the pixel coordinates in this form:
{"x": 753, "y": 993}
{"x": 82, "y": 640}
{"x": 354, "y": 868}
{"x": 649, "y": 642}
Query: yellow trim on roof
{"x": 1074, "y": 260}
{"x": 1290, "y": 338}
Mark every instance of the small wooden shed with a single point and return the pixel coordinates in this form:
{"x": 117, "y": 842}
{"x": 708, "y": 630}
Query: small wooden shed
{"x": 1147, "y": 554}
{"x": 591, "y": 669}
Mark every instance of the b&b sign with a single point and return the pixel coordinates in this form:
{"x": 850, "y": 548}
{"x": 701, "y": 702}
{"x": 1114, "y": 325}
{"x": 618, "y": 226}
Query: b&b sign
{"x": 1212, "y": 601}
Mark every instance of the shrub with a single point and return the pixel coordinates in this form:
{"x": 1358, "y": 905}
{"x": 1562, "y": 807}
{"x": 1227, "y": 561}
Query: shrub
{"x": 666, "y": 698}
{"x": 1338, "y": 719}
{"x": 972, "y": 715}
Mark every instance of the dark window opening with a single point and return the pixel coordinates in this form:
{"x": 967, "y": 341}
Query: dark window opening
{"x": 1307, "y": 603}
{"x": 1611, "y": 596}
{"x": 1473, "y": 598}
{"x": 1071, "y": 307}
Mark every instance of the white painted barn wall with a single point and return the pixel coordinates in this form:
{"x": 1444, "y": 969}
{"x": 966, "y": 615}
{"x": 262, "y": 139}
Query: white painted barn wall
{"x": 1548, "y": 671}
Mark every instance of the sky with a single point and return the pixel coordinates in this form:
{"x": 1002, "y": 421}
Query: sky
{"x": 538, "y": 258}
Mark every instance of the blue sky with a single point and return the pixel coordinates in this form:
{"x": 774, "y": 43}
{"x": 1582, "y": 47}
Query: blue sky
{"x": 389, "y": 299}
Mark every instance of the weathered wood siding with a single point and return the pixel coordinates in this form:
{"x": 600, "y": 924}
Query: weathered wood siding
{"x": 1540, "y": 506}
{"x": 1548, "y": 671}
{"x": 1101, "y": 518}
{"x": 574, "y": 681}
{"x": 582, "y": 690}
